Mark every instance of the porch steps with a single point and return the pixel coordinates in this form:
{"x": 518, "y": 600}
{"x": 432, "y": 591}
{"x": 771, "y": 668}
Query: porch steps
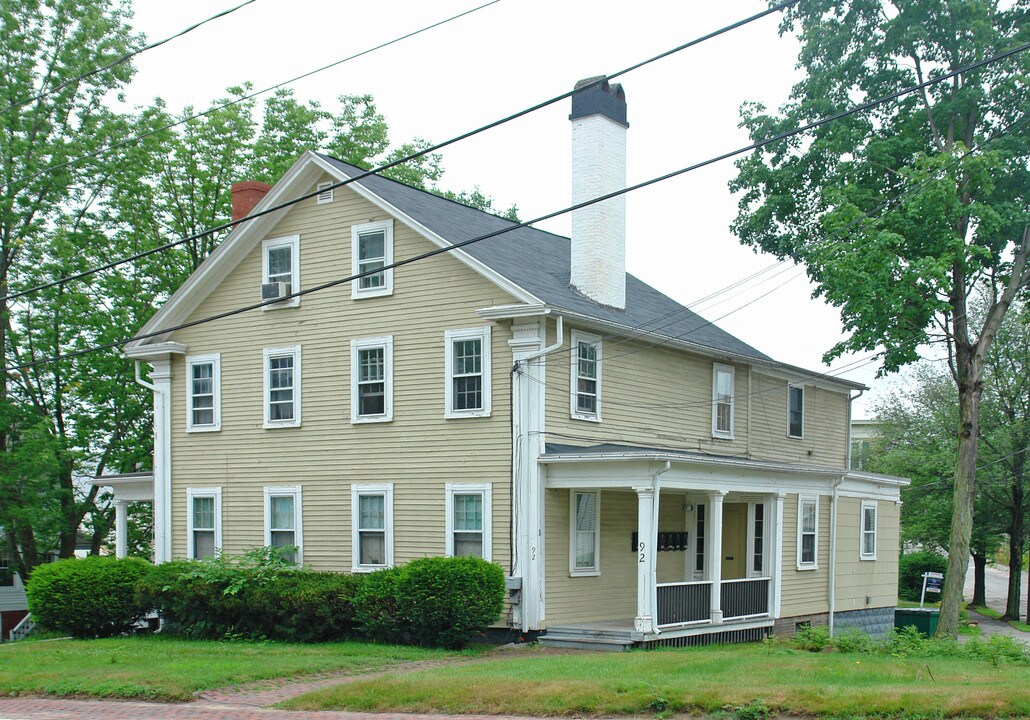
{"x": 589, "y": 638}
{"x": 23, "y": 629}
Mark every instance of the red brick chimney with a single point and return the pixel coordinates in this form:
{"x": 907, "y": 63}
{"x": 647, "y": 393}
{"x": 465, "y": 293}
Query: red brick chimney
{"x": 245, "y": 196}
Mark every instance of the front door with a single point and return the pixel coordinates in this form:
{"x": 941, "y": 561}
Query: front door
{"x": 734, "y": 541}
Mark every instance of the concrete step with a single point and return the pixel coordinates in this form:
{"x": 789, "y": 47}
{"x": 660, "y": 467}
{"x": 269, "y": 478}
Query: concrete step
{"x": 585, "y": 642}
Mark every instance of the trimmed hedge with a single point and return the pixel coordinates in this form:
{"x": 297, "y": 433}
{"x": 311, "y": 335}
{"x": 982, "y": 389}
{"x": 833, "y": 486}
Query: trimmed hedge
{"x": 88, "y": 598}
{"x": 911, "y": 567}
{"x": 375, "y": 607}
{"x": 447, "y": 601}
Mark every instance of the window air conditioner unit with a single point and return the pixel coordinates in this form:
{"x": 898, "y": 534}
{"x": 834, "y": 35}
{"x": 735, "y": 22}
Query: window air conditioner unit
{"x": 275, "y": 290}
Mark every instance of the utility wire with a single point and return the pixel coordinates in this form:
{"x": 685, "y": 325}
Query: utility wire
{"x": 515, "y": 226}
{"x": 399, "y": 161}
{"x": 243, "y": 98}
{"x": 119, "y": 61}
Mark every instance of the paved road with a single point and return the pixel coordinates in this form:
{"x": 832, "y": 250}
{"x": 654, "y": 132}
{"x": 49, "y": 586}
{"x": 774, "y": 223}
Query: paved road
{"x": 996, "y": 588}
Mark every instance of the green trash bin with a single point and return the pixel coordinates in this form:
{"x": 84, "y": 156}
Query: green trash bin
{"x": 922, "y": 619}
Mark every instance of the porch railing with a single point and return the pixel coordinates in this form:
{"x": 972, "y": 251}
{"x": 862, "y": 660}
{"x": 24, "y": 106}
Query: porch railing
{"x": 686, "y": 602}
{"x": 748, "y": 597}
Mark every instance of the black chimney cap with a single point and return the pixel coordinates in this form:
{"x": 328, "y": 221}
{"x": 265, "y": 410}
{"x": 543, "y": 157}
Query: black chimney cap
{"x": 595, "y": 96}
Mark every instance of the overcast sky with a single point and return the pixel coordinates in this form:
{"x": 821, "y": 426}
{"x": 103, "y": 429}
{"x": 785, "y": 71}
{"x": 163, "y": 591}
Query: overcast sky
{"x": 513, "y": 54}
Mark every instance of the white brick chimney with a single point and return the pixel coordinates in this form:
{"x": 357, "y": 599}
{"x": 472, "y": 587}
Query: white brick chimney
{"x": 599, "y": 167}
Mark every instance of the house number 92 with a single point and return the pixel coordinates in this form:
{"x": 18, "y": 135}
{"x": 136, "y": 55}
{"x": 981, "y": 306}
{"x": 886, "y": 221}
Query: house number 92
{"x": 641, "y": 549}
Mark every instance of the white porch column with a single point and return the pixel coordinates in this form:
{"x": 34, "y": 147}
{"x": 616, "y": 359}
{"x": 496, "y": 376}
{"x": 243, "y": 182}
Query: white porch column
{"x": 714, "y": 559}
{"x": 121, "y": 528}
{"x": 776, "y": 553}
{"x": 161, "y": 377}
{"x": 647, "y": 536}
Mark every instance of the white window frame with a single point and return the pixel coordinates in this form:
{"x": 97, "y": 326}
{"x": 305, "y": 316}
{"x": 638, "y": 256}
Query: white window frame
{"x": 356, "y": 491}
{"x": 862, "y": 531}
{"x": 790, "y": 393}
{"x": 596, "y": 569}
{"x": 814, "y": 563}
{"x": 356, "y": 346}
{"x": 325, "y": 192}
{"x": 215, "y": 360}
{"x": 717, "y": 369}
{"x": 450, "y": 337}
{"x": 270, "y": 353}
{"x": 576, "y": 339}
{"x": 484, "y": 489}
{"x": 293, "y": 241}
{"x": 191, "y": 495}
{"x": 293, "y": 491}
{"x": 752, "y": 513}
{"x": 356, "y": 291}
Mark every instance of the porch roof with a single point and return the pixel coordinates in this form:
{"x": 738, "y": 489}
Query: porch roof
{"x": 711, "y": 465}
{"x": 133, "y": 487}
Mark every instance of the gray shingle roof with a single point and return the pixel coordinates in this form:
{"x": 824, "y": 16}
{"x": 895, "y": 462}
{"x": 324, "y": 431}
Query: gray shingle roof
{"x": 539, "y": 262}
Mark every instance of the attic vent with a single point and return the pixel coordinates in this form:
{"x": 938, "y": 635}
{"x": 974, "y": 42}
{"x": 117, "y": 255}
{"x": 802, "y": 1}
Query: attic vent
{"x": 325, "y": 193}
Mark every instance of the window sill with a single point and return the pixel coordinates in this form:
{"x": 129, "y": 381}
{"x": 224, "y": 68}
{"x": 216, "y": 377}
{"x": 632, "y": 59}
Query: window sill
{"x": 723, "y": 436}
{"x": 584, "y": 573}
{"x": 867, "y": 558}
{"x": 282, "y": 304}
{"x": 369, "y": 568}
{"x": 371, "y": 420}
{"x": 276, "y": 425}
{"x": 453, "y": 415}
{"x": 204, "y": 429}
{"x": 795, "y": 437}
{"x": 586, "y": 418}
{"x": 807, "y": 568}
{"x": 364, "y": 294}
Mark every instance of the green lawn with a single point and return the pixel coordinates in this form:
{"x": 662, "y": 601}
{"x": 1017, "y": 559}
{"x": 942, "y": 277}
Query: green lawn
{"x": 741, "y": 678}
{"x": 163, "y": 668}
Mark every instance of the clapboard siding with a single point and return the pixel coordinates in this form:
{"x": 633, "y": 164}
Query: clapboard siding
{"x": 804, "y": 591}
{"x": 859, "y": 579}
{"x": 654, "y": 396}
{"x": 419, "y": 451}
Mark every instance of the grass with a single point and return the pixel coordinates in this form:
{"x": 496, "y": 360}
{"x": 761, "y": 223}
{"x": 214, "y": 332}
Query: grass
{"x": 735, "y": 679}
{"x": 995, "y": 615}
{"x": 155, "y": 667}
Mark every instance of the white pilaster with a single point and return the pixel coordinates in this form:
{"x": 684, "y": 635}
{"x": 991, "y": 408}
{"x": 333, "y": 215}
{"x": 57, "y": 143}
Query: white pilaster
{"x": 161, "y": 378}
{"x": 528, "y": 377}
{"x": 647, "y": 536}
{"x": 121, "y": 528}
{"x": 714, "y": 558}
{"x": 776, "y": 552}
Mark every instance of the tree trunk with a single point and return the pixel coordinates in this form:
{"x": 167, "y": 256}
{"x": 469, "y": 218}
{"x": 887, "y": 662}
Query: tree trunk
{"x": 1015, "y": 558}
{"x": 962, "y": 511}
{"x": 979, "y": 581}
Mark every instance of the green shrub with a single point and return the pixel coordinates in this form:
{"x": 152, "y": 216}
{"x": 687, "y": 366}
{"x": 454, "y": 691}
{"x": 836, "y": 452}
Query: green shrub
{"x": 375, "y": 607}
{"x": 303, "y": 606}
{"x": 447, "y": 601}
{"x": 89, "y": 598}
{"x": 911, "y": 567}
{"x": 813, "y": 639}
{"x": 853, "y": 640}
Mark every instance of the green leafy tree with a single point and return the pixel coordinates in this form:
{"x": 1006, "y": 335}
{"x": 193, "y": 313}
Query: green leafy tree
{"x": 904, "y": 276}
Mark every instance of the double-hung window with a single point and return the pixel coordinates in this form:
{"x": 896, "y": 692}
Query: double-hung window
{"x": 372, "y": 526}
{"x": 586, "y": 377}
{"x": 204, "y": 522}
{"x": 468, "y": 520}
{"x": 282, "y": 386}
{"x": 585, "y": 537}
{"x": 280, "y": 267}
{"x": 203, "y": 402}
{"x": 468, "y": 373}
{"x": 371, "y": 252}
{"x": 808, "y": 532}
{"x": 795, "y": 411}
{"x": 283, "y": 521}
{"x": 722, "y": 401}
{"x": 868, "y": 550}
{"x": 371, "y": 379}
{"x": 758, "y": 540}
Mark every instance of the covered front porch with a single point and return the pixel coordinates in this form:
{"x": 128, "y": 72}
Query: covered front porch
{"x": 676, "y": 549}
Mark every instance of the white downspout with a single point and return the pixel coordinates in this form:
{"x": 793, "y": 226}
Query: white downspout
{"x": 656, "y": 480}
{"x": 560, "y": 330}
{"x": 141, "y": 381}
{"x": 832, "y": 590}
{"x": 847, "y": 447}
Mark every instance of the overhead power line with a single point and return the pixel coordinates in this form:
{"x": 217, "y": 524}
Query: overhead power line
{"x": 406, "y": 158}
{"x": 514, "y": 226}
{"x": 236, "y": 101}
{"x": 124, "y": 58}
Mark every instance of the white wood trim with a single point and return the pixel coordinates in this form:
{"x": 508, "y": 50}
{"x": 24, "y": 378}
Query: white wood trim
{"x": 208, "y": 492}
{"x": 356, "y": 291}
{"x": 861, "y": 529}
{"x": 292, "y": 242}
{"x": 776, "y": 553}
{"x": 484, "y": 489}
{"x": 325, "y": 193}
{"x": 596, "y": 569}
{"x": 450, "y": 336}
{"x": 716, "y": 369}
{"x": 215, "y": 360}
{"x": 814, "y": 565}
{"x": 268, "y": 353}
{"x": 386, "y": 343}
{"x": 294, "y": 491}
{"x": 790, "y": 387}
{"x": 356, "y": 491}
{"x": 577, "y": 337}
